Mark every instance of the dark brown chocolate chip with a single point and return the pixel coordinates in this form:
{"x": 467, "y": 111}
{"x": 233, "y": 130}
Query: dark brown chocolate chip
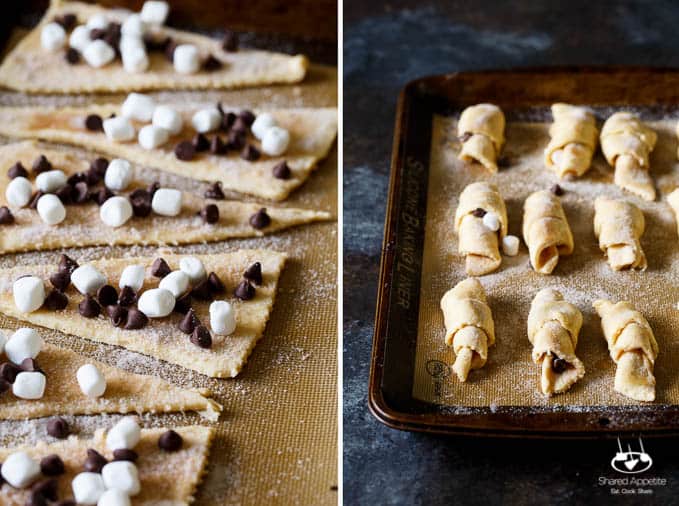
{"x": 36, "y": 500}
{"x": 78, "y": 177}
{"x": 153, "y": 188}
{"x": 127, "y": 296}
{"x": 185, "y": 151}
{"x": 97, "y": 33}
{"x": 260, "y": 219}
{"x": 240, "y": 126}
{"x": 52, "y": 465}
{"x": 67, "y": 21}
{"x": 117, "y": 314}
{"x": 200, "y": 142}
{"x": 159, "y": 268}
{"x": 202, "y": 291}
{"x": 216, "y": 285}
{"x": 211, "y": 64}
{"x": 65, "y": 194}
{"x": 254, "y": 273}
{"x": 47, "y": 489}
{"x": 58, "y": 428}
{"x": 465, "y": 137}
{"x": 89, "y": 308}
{"x": 237, "y": 139}
{"x": 214, "y": 192}
{"x": 66, "y": 263}
{"x": 228, "y": 120}
{"x": 247, "y": 116}
{"x": 72, "y": 56}
{"x": 557, "y": 190}
{"x": 201, "y": 337}
{"x": 182, "y": 304}
{"x": 244, "y": 290}
{"x": 170, "y": 46}
{"x": 170, "y": 441}
{"x": 217, "y": 146}
{"x": 60, "y": 280}
{"x": 141, "y": 202}
{"x": 250, "y": 153}
{"x": 99, "y": 166}
{"x": 230, "y": 41}
{"x": 94, "y": 123}
{"x": 9, "y": 371}
{"x": 107, "y": 295}
{"x": 558, "y": 365}
{"x": 4, "y": 387}
{"x": 17, "y": 170}
{"x": 80, "y": 193}
{"x": 94, "y": 462}
{"x": 189, "y": 322}
{"x": 33, "y": 204}
{"x": 281, "y": 170}
{"x": 30, "y": 365}
{"x": 56, "y": 301}
{"x": 478, "y": 212}
{"x": 102, "y": 195}
{"x": 210, "y": 213}
{"x": 125, "y": 454}
{"x": 135, "y": 319}
{"x": 6, "y": 216}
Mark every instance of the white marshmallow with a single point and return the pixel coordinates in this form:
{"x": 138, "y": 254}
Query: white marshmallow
{"x": 88, "y": 488}
{"x": 29, "y": 385}
{"x": 186, "y": 59}
{"x": 128, "y": 42}
{"x": 91, "y": 381}
{"x": 151, "y": 136}
{"x": 491, "y": 221}
{"x": 177, "y": 283}
{"x": 29, "y": 293}
{"x": 132, "y": 276}
{"x": 261, "y": 124}
{"x": 119, "y": 129}
{"x": 50, "y": 181}
{"x": 193, "y": 268}
{"x": 116, "y": 211}
{"x": 275, "y": 141}
{"x": 98, "y": 53}
{"x": 138, "y": 106}
{"x": 51, "y": 209}
{"x": 20, "y": 470}
{"x": 222, "y": 318}
{"x": 19, "y": 191}
{"x": 53, "y": 37}
{"x": 167, "y": 202}
{"x": 24, "y": 343}
{"x": 156, "y": 303}
{"x": 510, "y": 245}
{"x": 80, "y": 38}
{"x": 124, "y": 435}
{"x": 119, "y": 174}
{"x": 114, "y": 497}
{"x": 154, "y": 12}
{"x": 133, "y": 25}
{"x": 135, "y": 59}
{"x": 97, "y": 21}
{"x": 167, "y": 118}
{"x": 206, "y": 120}
{"x": 121, "y": 475}
{"x": 87, "y": 279}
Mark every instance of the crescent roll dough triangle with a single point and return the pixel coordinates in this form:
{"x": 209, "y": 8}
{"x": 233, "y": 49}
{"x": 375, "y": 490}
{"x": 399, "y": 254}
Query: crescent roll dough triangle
{"x": 312, "y": 134}
{"x": 632, "y": 347}
{"x": 619, "y": 225}
{"x": 574, "y": 139}
{"x": 469, "y": 325}
{"x": 481, "y": 128}
{"x": 166, "y": 478}
{"x": 161, "y": 338}
{"x": 553, "y": 328}
{"x": 30, "y": 68}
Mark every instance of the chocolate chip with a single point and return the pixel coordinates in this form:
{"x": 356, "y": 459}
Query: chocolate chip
{"x": 228, "y": 119}
{"x": 245, "y": 291}
{"x": 170, "y": 46}
{"x": 58, "y": 428}
{"x": 230, "y": 41}
{"x": 557, "y": 190}
{"x": 102, "y": 195}
{"x": 170, "y": 441}
{"x": 240, "y": 125}
{"x": 78, "y": 177}
{"x": 30, "y": 365}
{"x": 94, "y": 462}
{"x": 159, "y": 268}
{"x": 558, "y": 365}
{"x": 182, "y": 304}
{"x": 135, "y": 319}
{"x": 67, "y": 21}
{"x": 17, "y": 170}
{"x": 56, "y": 301}
{"x": 6, "y": 216}
{"x": 210, "y": 213}
{"x": 465, "y": 137}
{"x": 201, "y": 337}
{"x": 254, "y": 273}
{"x": 504, "y": 161}
{"x": 72, "y": 56}
{"x": 80, "y": 193}
{"x": 9, "y": 371}
{"x": 52, "y": 465}
{"x": 47, "y": 489}
{"x": 189, "y": 323}
{"x": 200, "y": 142}
{"x": 217, "y": 146}
{"x": 117, "y": 314}
{"x": 153, "y": 188}
{"x": 125, "y": 454}
{"x": 94, "y": 123}
{"x": 478, "y": 212}
{"x": 141, "y": 202}
{"x": 237, "y": 139}
{"x": 127, "y": 296}
{"x": 66, "y": 263}
{"x": 247, "y": 116}
{"x": 211, "y": 64}
{"x": 60, "y": 280}
{"x": 260, "y": 219}
{"x": 89, "y": 308}
{"x": 65, "y": 194}
{"x": 216, "y": 285}
{"x": 107, "y": 295}
{"x": 250, "y": 153}
{"x": 99, "y": 166}
{"x": 202, "y": 291}
{"x": 36, "y": 500}
{"x": 97, "y": 33}
{"x": 185, "y": 151}
{"x": 4, "y": 387}
{"x": 33, "y": 204}
{"x": 214, "y": 192}
{"x": 281, "y": 170}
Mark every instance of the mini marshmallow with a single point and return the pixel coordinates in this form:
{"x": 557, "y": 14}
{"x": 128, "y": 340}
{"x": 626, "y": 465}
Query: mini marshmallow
{"x": 98, "y": 53}
{"x": 119, "y": 174}
{"x": 53, "y": 37}
{"x": 154, "y": 12}
{"x": 275, "y": 141}
{"x": 119, "y": 129}
{"x": 124, "y": 435}
{"x": 20, "y": 470}
{"x": 132, "y": 276}
{"x": 24, "y": 343}
{"x": 510, "y": 245}
{"x": 116, "y": 211}
{"x": 80, "y": 38}
{"x": 88, "y": 488}
{"x": 167, "y": 202}
{"x": 29, "y": 385}
{"x": 206, "y": 120}
{"x": 186, "y": 59}
{"x": 138, "y": 106}
{"x": 491, "y": 221}
{"x": 222, "y": 318}
{"x": 114, "y": 497}
{"x": 135, "y": 59}
{"x": 50, "y": 181}
{"x": 151, "y": 136}
{"x": 133, "y": 25}
{"x": 177, "y": 283}
{"x": 128, "y": 42}
{"x": 29, "y": 293}
{"x": 261, "y": 124}
{"x": 193, "y": 268}
{"x": 87, "y": 279}
{"x": 19, "y": 191}
{"x": 167, "y": 118}
{"x": 156, "y": 303}
{"x": 121, "y": 475}
{"x": 51, "y": 209}
{"x": 91, "y": 381}
{"x": 97, "y": 21}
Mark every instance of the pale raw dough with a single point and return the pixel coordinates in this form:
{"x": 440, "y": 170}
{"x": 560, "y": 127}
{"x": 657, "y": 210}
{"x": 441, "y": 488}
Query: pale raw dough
{"x": 167, "y": 478}
{"x": 573, "y": 140}
{"x": 312, "y": 134}
{"x": 83, "y": 226}
{"x": 546, "y": 231}
{"x": 627, "y": 143}
{"x": 477, "y": 243}
{"x": 632, "y": 346}
{"x": 553, "y": 328}
{"x": 673, "y": 200}
{"x": 162, "y": 339}
{"x": 469, "y": 325}
{"x": 484, "y": 125}
{"x": 30, "y": 68}
{"x": 619, "y": 225}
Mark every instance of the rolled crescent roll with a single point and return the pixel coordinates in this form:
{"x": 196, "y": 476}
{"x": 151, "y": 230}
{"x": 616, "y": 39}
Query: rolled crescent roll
{"x": 627, "y": 143}
{"x": 619, "y": 225}
{"x": 479, "y": 244}
{"x": 469, "y": 325}
{"x": 553, "y": 328}
{"x": 546, "y": 231}
{"x": 673, "y": 200}
{"x": 574, "y": 139}
{"x": 481, "y": 129}
{"x": 632, "y": 346}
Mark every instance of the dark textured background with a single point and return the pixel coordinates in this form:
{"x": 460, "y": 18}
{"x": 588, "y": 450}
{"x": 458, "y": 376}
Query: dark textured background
{"x": 385, "y": 46}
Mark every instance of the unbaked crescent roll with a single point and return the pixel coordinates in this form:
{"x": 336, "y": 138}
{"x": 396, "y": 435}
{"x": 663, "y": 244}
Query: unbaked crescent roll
{"x": 546, "y": 231}
{"x": 626, "y": 143}
{"x": 632, "y": 346}
{"x": 479, "y": 244}
{"x": 553, "y": 328}
{"x": 619, "y": 225}
{"x": 574, "y": 138}
{"x": 673, "y": 200}
{"x": 469, "y": 325}
{"x": 481, "y": 129}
